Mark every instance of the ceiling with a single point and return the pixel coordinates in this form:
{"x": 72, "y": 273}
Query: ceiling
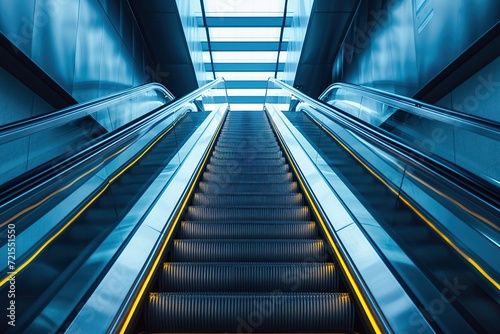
{"x": 245, "y": 42}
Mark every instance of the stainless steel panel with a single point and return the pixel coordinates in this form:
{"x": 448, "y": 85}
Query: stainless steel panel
{"x": 400, "y": 45}
{"x": 437, "y": 40}
{"x": 109, "y": 80}
{"x": 188, "y": 11}
{"x": 482, "y": 13}
{"x": 126, "y": 25}
{"x": 14, "y": 163}
{"x": 403, "y": 53}
{"x": 89, "y": 40}
{"x": 40, "y": 106}
{"x": 302, "y": 13}
{"x": 90, "y": 47}
{"x": 54, "y": 42}
{"x": 14, "y": 96}
{"x": 17, "y": 23}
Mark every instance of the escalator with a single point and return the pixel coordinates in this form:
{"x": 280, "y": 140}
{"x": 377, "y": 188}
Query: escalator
{"x": 463, "y": 286}
{"x": 66, "y": 255}
{"x": 248, "y": 255}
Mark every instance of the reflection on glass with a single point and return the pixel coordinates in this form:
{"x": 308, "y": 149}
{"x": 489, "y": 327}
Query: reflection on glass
{"x": 460, "y": 142}
{"x": 75, "y": 133}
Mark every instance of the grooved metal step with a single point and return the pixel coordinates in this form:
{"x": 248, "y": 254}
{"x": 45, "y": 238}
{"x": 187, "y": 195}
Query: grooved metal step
{"x": 241, "y": 147}
{"x": 248, "y": 277}
{"x": 247, "y": 250}
{"x": 239, "y": 139}
{"x": 300, "y": 213}
{"x": 246, "y": 312}
{"x": 239, "y": 168}
{"x": 247, "y": 155}
{"x": 246, "y": 257}
{"x": 250, "y": 188}
{"x": 250, "y": 230}
{"x": 203, "y": 199}
{"x": 248, "y": 161}
{"x": 247, "y": 178}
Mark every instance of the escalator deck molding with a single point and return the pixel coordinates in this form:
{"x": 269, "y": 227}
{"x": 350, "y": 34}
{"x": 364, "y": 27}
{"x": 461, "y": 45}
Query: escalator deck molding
{"x": 367, "y": 308}
{"x": 131, "y": 311}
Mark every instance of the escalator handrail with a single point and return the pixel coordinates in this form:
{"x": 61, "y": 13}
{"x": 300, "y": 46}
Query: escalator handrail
{"x": 29, "y": 126}
{"x": 12, "y": 193}
{"x": 481, "y": 188}
{"x": 473, "y": 123}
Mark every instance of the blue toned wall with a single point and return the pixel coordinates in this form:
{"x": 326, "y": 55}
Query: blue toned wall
{"x": 88, "y": 47}
{"x": 401, "y": 45}
{"x": 301, "y": 10}
{"x": 16, "y": 96}
{"x": 479, "y": 95}
{"x": 188, "y": 12}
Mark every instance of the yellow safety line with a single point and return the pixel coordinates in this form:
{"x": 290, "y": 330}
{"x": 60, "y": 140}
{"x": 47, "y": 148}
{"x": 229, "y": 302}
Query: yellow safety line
{"x": 142, "y": 290}
{"x": 28, "y": 209}
{"x": 34, "y": 255}
{"x": 421, "y": 215}
{"x": 477, "y": 215}
{"x": 357, "y": 158}
{"x": 63, "y": 228}
{"x": 361, "y": 297}
{"x": 453, "y": 245}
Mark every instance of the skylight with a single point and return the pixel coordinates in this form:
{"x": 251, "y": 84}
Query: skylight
{"x": 243, "y": 46}
{"x": 244, "y": 7}
{"x": 245, "y": 34}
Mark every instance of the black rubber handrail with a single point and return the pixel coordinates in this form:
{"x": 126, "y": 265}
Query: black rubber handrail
{"x": 32, "y": 125}
{"x": 480, "y": 187}
{"x": 473, "y": 123}
{"x": 112, "y": 143}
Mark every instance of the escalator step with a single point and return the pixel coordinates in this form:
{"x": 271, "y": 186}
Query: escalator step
{"x": 248, "y": 188}
{"x": 236, "y": 140}
{"x": 251, "y": 230}
{"x": 242, "y": 147}
{"x": 238, "y": 168}
{"x": 247, "y": 250}
{"x": 246, "y": 312}
{"x": 247, "y": 257}
{"x": 248, "y": 277}
{"x": 246, "y": 145}
{"x": 255, "y": 133}
{"x": 248, "y": 161}
{"x": 300, "y": 213}
{"x": 260, "y": 135}
{"x": 201, "y": 199}
{"x": 248, "y": 178}
{"x": 247, "y": 155}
